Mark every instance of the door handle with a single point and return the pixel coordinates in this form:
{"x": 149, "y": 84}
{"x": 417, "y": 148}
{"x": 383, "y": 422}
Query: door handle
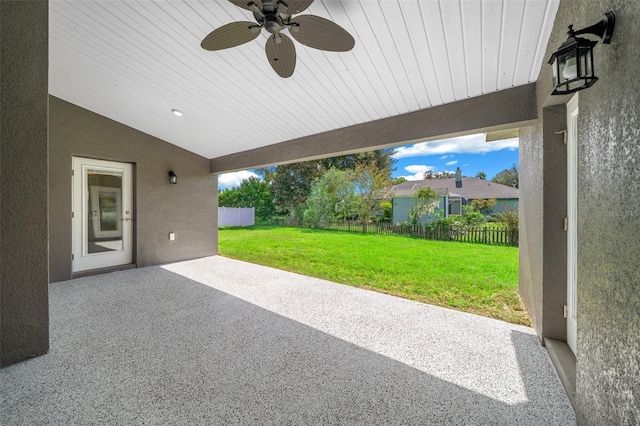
{"x": 126, "y": 219}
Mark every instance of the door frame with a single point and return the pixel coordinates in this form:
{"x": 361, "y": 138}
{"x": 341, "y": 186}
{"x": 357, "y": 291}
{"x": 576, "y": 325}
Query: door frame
{"x": 572, "y": 223}
{"x": 81, "y": 259}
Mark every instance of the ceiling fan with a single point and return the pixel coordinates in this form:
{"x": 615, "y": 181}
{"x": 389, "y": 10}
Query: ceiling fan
{"x": 275, "y": 16}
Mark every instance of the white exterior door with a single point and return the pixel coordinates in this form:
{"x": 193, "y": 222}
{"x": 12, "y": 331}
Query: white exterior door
{"x": 572, "y": 222}
{"x": 102, "y": 214}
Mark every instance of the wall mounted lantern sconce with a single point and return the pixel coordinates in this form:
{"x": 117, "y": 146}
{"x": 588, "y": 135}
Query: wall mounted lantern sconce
{"x": 573, "y": 61}
{"x": 172, "y": 177}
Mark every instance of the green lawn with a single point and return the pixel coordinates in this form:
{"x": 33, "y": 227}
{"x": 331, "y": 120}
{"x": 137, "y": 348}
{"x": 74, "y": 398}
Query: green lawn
{"x": 475, "y": 278}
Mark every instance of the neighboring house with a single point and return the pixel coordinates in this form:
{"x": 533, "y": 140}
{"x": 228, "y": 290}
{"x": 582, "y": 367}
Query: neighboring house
{"x": 403, "y": 199}
{"x": 451, "y": 197}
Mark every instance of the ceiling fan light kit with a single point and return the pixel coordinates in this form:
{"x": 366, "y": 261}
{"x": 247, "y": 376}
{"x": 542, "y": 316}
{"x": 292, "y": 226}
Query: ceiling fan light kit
{"x": 274, "y": 17}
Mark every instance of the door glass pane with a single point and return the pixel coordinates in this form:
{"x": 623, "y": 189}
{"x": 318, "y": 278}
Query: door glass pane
{"x": 104, "y": 210}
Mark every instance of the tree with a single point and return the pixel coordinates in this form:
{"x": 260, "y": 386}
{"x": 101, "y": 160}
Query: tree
{"x": 481, "y": 175}
{"x": 508, "y": 177}
{"x": 290, "y": 184}
{"x": 332, "y": 198}
{"x": 229, "y": 198}
{"x": 398, "y": 180}
{"x": 387, "y": 211}
{"x": 369, "y": 181}
{"x": 430, "y": 174}
{"x": 483, "y": 206}
{"x": 425, "y": 200}
{"x": 510, "y": 221}
{"x": 252, "y": 192}
{"x": 381, "y": 159}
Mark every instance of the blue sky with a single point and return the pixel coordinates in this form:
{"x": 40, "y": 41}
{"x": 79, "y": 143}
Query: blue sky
{"x": 471, "y": 153}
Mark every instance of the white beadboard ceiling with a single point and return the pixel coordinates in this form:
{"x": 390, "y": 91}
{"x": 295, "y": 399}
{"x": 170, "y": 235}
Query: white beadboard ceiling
{"x": 134, "y": 61}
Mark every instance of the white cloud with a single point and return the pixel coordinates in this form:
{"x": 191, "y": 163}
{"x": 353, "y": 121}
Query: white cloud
{"x": 472, "y": 144}
{"x": 417, "y": 170}
{"x": 231, "y": 180}
{"x": 444, "y": 157}
{"x": 451, "y": 163}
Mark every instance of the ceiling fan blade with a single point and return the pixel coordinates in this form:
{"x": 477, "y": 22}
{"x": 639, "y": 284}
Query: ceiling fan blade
{"x": 320, "y": 33}
{"x": 297, "y": 6}
{"x": 244, "y": 3}
{"x": 231, "y": 35}
{"x": 281, "y": 56}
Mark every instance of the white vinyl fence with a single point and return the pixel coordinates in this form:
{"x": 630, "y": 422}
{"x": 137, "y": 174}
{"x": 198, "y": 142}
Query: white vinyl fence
{"x": 231, "y": 216}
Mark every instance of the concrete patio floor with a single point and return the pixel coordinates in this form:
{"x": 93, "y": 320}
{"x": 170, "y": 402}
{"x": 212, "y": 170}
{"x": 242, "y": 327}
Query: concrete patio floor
{"x": 218, "y": 341}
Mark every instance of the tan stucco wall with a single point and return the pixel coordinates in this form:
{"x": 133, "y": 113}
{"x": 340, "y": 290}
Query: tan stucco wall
{"x": 531, "y": 175}
{"x": 189, "y": 208}
{"x": 543, "y": 207}
{"x": 24, "y": 304}
{"x": 608, "y": 344}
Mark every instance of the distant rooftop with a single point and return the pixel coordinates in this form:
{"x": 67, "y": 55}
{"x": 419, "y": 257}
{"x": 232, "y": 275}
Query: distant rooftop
{"x": 472, "y": 188}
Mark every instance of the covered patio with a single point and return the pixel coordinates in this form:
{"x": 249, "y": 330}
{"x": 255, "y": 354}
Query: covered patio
{"x": 99, "y": 81}
{"x": 218, "y": 341}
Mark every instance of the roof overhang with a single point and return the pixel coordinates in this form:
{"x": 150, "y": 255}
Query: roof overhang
{"x": 420, "y": 70}
{"x": 496, "y": 111}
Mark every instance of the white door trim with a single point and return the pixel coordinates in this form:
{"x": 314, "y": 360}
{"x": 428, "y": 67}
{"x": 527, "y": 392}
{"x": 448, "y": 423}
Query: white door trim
{"x": 115, "y": 253}
{"x": 572, "y": 222}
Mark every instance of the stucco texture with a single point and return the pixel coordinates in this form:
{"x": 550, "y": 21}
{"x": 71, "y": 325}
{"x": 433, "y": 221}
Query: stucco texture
{"x": 554, "y": 261}
{"x": 24, "y": 297}
{"x": 608, "y": 310}
{"x": 188, "y": 208}
{"x": 531, "y": 215}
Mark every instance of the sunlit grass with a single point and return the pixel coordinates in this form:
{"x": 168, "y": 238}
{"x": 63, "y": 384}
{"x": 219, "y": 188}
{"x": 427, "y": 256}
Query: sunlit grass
{"x": 476, "y": 278}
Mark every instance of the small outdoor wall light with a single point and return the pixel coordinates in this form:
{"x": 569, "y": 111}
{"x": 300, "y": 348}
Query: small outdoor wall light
{"x": 172, "y": 177}
{"x": 573, "y": 61}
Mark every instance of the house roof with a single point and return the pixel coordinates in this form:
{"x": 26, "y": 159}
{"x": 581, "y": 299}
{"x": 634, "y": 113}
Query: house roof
{"x": 135, "y": 61}
{"x": 472, "y": 188}
{"x": 408, "y": 192}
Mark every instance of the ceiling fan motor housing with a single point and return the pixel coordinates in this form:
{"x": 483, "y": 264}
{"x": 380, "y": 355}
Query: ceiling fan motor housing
{"x": 273, "y": 24}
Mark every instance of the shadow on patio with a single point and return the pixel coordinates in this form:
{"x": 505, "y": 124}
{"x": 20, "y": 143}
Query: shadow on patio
{"x": 216, "y": 341}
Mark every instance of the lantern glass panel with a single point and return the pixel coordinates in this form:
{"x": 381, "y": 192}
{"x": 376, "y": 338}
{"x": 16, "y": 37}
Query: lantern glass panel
{"x": 586, "y": 60}
{"x": 574, "y": 85}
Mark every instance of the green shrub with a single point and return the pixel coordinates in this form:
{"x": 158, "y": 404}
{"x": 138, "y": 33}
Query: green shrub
{"x": 511, "y": 222}
{"x": 386, "y": 208}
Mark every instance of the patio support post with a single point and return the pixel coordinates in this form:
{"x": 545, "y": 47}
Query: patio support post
{"x": 24, "y": 245}
{"x": 543, "y": 206}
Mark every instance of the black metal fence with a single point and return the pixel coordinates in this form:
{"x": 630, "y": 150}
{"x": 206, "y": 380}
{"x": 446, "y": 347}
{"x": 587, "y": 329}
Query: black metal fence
{"x": 483, "y": 235}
